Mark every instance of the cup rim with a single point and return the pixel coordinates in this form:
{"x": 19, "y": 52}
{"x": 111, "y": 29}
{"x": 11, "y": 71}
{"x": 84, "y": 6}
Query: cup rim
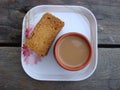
{"x": 56, "y": 47}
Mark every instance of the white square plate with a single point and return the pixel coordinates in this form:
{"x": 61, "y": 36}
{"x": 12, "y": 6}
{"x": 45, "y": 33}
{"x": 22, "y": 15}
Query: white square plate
{"x": 77, "y": 19}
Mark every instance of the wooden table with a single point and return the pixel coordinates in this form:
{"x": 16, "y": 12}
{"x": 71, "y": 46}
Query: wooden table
{"x": 107, "y": 74}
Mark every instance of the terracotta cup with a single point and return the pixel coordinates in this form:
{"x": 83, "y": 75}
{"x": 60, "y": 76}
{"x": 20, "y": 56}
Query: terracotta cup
{"x": 57, "y": 57}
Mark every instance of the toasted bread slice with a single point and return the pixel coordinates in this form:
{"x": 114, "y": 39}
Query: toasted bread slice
{"x": 44, "y": 34}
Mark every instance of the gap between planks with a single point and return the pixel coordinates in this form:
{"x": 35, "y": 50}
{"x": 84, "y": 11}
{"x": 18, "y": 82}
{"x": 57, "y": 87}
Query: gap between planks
{"x": 99, "y": 45}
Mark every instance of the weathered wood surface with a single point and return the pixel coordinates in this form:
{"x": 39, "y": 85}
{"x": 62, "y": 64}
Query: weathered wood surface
{"x": 106, "y": 76}
{"x": 106, "y": 11}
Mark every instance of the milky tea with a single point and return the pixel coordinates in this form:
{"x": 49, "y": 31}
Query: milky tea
{"x": 73, "y": 51}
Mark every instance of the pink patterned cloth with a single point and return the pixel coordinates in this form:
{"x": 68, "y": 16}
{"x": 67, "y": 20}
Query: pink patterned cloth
{"x": 29, "y": 55}
{"x": 28, "y": 31}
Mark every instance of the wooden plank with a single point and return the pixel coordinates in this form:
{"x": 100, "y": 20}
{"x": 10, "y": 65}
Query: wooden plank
{"x": 9, "y": 35}
{"x": 10, "y": 26}
{"x": 106, "y": 76}
{"x": 106, "y": 11}
{"x": 108, "y": 24}
{"x": 108, "y": 64}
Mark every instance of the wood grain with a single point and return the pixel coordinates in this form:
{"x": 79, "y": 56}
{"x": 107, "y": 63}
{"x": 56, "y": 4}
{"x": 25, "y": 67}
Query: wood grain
{"x": 106, "y": 11}
{"x": 13, "y": 77}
